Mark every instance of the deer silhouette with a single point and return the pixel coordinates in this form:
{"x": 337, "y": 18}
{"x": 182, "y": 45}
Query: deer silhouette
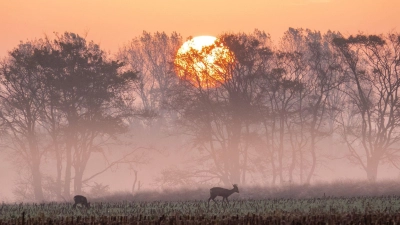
{"x": 82, "y": 200}
{"x": 224, "y": 193}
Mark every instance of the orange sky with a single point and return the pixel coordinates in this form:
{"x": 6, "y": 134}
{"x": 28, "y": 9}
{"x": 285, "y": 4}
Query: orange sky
{"x": 114, "y": 22}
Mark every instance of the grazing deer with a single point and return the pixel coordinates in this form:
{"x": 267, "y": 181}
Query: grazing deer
{"x": 79, "y": 199}
{"x": 225, "y": 193}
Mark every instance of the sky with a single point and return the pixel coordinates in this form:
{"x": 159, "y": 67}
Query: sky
{"x": 112, "y": 23}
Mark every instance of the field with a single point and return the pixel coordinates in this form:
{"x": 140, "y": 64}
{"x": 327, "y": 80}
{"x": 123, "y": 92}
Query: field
{"x": 367, "y": 206}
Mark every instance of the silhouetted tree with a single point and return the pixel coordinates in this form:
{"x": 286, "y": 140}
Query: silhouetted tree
{"x": 370, "y": 119}
{"x": 323, "y": 78}
{"x": 152, "y": 56}
{"x": 278, "y": 97}
{"x": 315, "y": 66}
{"x": 217, "y": 113}
{"x": 90, "y": 93}
{"x": 22, "y": 98}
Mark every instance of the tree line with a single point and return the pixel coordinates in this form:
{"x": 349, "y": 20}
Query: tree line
{"x": 270, "y": 117}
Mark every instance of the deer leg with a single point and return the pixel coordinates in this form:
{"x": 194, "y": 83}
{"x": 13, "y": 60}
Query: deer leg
{"x": 211, "y": 198}
{"x": 223, "y": 200}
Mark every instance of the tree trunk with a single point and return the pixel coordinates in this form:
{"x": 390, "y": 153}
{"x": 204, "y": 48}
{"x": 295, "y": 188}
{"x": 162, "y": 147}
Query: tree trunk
{"x": 270, "y": 150}
{"x": 235, "y": 165}
{"x": 302, "y": 165}
{"x": 314, "y": 160}
{"x": 234, "y": 157}
{"x": 281, "y": 148}
{"x": 36, "y": 158}
{"x": 292, "y": 164}
{"x": 243, "y": 179}
{"x": 78, "y": 181}
{"x": 37, "y": 179}
{"x": 372, "y": 168}
{"x": 134, "y": 182}
{"x": 313, "y": 133}
{"x": 274, "y": 171}
{"x": 68, "y": 167}
{"x": 59, "y": 168}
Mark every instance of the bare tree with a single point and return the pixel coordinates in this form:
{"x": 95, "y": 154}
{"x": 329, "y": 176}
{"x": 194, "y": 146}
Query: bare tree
{"x": 89, "y": 95}
{"x": 151, "y": 55}
{"x": 293, "y": 101}
{"x": 371, "y": 130}
{"x": 320, "y": 76}
{"x": 217, "y": 113}
{"x": 22, "y": 99}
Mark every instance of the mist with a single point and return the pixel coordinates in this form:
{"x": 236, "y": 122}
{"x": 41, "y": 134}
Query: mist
{"x": 311, "y": 108}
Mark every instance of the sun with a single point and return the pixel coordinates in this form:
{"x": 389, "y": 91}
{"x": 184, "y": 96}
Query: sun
{"x": 203, "y": 61}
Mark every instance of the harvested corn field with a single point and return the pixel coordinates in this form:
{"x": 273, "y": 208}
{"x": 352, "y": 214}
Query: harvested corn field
{"x": 328, "y": 210}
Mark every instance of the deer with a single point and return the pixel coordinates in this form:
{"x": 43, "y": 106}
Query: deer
{"x": 224, "y": 193}
{"x": 82, "y": 200}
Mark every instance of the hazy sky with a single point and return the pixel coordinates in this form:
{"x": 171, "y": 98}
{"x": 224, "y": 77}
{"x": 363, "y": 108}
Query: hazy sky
{"x": 114, "y": 22}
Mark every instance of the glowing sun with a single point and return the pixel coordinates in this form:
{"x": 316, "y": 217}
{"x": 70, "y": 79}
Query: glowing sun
{"x": 203, "y": 61}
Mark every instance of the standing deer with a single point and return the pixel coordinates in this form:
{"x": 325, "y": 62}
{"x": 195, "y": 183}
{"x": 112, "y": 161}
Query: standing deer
{"x": 79, "y": 199}
{"x": 224, "y": 193}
